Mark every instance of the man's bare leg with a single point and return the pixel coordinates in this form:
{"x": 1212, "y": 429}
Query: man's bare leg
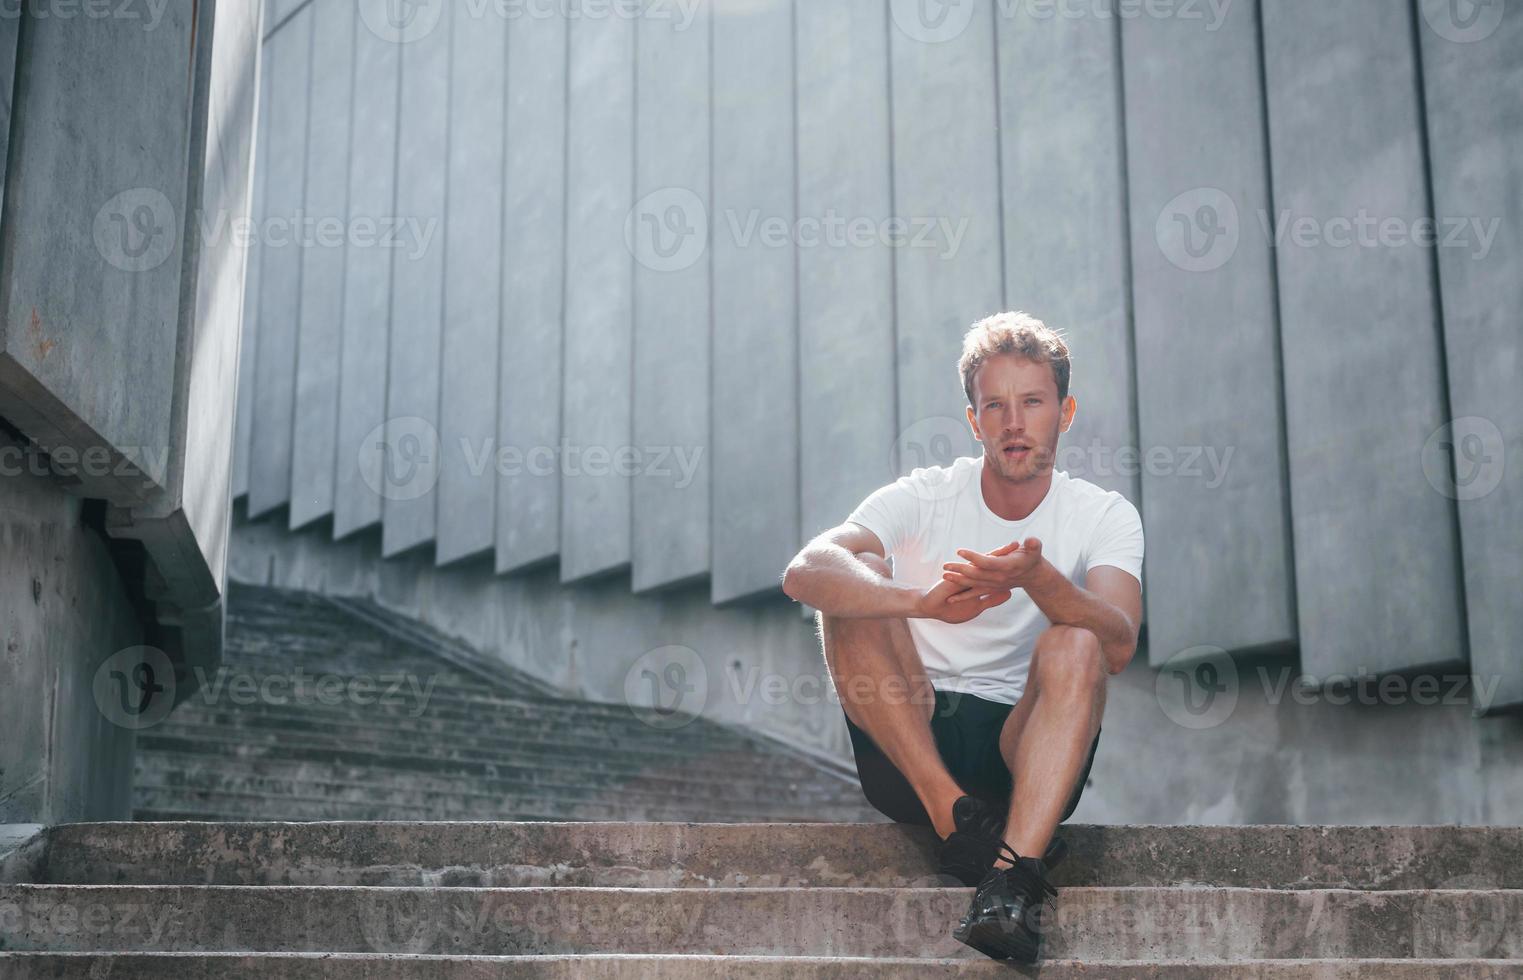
{"x": 1046, "y": 738}
{"x": 885, "y": 692}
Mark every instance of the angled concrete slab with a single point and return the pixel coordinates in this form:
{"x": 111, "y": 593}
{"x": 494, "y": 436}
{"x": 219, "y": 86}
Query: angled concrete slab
{"x": 533, "y": 293}
{"x": 669, "y": 235}
{"x": 1216, "y": 512}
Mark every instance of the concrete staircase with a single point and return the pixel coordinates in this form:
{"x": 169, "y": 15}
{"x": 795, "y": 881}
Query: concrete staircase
{"x": 462, "y": 739}
{"x": 549, "y": 899}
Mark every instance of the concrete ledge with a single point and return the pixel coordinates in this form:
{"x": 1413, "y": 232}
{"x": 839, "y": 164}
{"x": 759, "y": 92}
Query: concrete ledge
{"x": 766, "y": 855}
{"x": 1207, "y": 924}
{"x": 351, "y": 966}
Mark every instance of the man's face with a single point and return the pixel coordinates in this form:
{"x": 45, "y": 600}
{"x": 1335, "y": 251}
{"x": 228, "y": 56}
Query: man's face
{"x": 1018, "y": 415}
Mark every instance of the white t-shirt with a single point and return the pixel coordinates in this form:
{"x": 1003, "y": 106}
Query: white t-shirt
{"x": 923, "y": 518}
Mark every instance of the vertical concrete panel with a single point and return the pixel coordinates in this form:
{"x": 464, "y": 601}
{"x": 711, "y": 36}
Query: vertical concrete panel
{"x": 248, "y": 348}
{"x": 946, "y": 174}
{"x": 1065, "y": 218}
{"x": 668, "y": 233}
{"x": 1363, "y": 362}
{"x": 1473, "y": 74}
{"x": 846, "y": 282}
{"x": 226, "y": 163}
{"x": 595, "y": 492}
{"x": 323, "y": 245}
{"x": 468, "y": 397}
{"x": 288, "y": 60}
{"x": 412, "y": 448}
{"x": 755, "y": 373}
{"x": 533, "y": 289}
{"x": 90, "y": 281}
{"x": 1208, "y": 379}
{"x": 367, "y": 277}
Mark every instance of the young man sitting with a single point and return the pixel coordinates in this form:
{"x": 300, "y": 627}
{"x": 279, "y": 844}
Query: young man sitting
{"x": 972, "y": 670}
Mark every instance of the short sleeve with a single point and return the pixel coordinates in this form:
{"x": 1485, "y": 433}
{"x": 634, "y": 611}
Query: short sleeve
{"x": 1117, "y": 539}
{"x": 892, "y": 512}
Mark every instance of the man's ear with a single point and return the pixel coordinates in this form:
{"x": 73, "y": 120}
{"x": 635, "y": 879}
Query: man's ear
{"x": 973, "y": 422}
{"x": 1070, "y": 407}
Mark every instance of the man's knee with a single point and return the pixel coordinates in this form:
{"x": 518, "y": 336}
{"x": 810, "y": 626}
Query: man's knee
{"x": 1068, "y": 660}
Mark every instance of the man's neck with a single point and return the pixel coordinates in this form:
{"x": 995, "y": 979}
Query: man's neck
{"x": 1012, "y": 500}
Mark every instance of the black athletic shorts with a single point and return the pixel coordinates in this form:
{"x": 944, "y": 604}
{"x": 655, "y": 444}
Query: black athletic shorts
{"x": 966, "y": 728}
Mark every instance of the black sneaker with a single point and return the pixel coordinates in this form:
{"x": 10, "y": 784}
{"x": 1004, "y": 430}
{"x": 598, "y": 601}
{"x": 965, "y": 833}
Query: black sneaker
{"x": 1011, "y": 909}
{"x": 971, "y": 850}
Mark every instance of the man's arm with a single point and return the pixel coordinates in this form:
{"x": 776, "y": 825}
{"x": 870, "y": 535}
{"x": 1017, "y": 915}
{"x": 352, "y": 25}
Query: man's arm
{"x": 828, "y": 575}
{"x": 1109, "y": 605}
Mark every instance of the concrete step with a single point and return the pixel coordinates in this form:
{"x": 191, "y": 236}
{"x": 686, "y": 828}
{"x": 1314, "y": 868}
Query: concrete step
{"x": 486, "y": 743}
{"x": 672, "y": 855}
{"x": 272, "y": 768}
{"x": 371, "y": 966}
{"x": 382, "y": 786}
{"x": 152, "y": 803}
{"x": 1214, "y": 924}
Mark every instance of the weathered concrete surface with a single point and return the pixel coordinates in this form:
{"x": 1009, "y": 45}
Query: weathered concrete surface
{"x": 1219, "y": 567}
{"x": 413, "y": 453}
{"x": 248, "y": 347}
{"x": 754, "y": 441}
{"x": 946, "y": 174}
{"x": 287, "y": 59}
{"x": 1253, "y": 746}
{"x": 669, "y": 233}
{"x": 367, "y": 285}
{"x": 1093, "y": 923}
{"x": 597, "y": 394}
{"x": 323, "y": 246}
{"x": 60, "y": 758}
{"x": 846, "y": 291}
{"x": 183, "y": 527}
{"x": 533, "y": 284}
{"x": 466, "y": 498}
{"x": 90, "y": 307}
{"x": 1475, "y": 150}
{"x": 376, "y": 966}
{"x": 1363, "y": 357}
{"x": 1063, "y": 199}
{"x": 704, "y": 855}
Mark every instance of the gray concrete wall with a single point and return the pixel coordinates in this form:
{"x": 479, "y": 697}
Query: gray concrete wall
{"x": 1252, "y": 746}
{"x": 1141, "y": 176}
{"x": 322, "y": 251}
{"x": 61, "y": 758}
{"x": 847, "y": 389}
{"x": 1361, "y": 340}
{"x": 669, "y": 235}
{"x": 1472, "y": 73}
{"x": 533, "y": 292}
{"x": 1207, "y": 337}
{"x": 121, "y": 293}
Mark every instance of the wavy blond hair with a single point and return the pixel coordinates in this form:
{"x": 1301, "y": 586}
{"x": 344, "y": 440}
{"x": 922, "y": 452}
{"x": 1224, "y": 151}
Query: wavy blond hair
{"x": 1018, "y": 333}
